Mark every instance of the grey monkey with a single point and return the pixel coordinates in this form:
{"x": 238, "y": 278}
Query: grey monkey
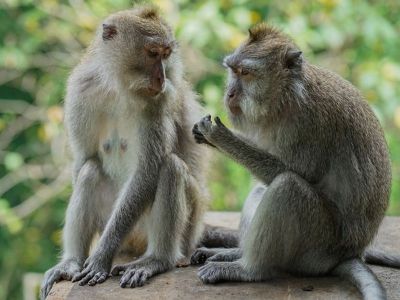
{"x": 321, "y": 160}
{"x": 138, "y": 174}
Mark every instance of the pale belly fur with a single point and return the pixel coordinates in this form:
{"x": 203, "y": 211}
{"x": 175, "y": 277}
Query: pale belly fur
{"x": 118, "y": 150}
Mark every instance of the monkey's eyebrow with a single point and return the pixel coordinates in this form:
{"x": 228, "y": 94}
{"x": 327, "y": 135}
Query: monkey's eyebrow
{"x": 252, "y": 64}
{"x": 228, "y": 62}
{"x": 247, "y": 63}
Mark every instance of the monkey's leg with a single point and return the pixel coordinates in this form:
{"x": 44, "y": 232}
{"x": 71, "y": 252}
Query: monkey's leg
{"x": 217, "y": 237}
{"x": 214, "y": 237}
{"x": 195, "y": 200}
{"x": 289, "y": 224}
{"x": 81, "y": 223}
{"x": 229, "y": 238}
{"x": 166, "y": 225}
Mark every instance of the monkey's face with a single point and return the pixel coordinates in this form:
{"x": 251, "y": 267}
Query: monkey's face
{"x": 259, "y": 73}
{"x": 139, "y": 48}
{"x": 245, "y": 88}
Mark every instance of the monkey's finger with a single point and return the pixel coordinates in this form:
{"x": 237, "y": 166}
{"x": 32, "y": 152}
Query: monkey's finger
{"x": 86, "y": 263}
{"x": 62, "y": 276}
{"x": 96, "y": 278}
{"x": 140, "y": 277}
{"x": 86, "y": 279}
{"x": 45, "y": 290}
{"x": 117, "y": 269}
{"x": 132, "y": 282}
{"x": 206, "y": 119}
{"x": 80, "y": 275}
{"x": 196, "y": 130}
{"x": 218, "y": 122}
{"x": 102, "y": 278}
{"x": 125, "y": 279}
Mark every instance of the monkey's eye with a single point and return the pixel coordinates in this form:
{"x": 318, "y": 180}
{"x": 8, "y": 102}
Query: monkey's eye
{"x": 167, "y": 53}
{"x": 240, "y": 71}
{"x": 235, "y": 71}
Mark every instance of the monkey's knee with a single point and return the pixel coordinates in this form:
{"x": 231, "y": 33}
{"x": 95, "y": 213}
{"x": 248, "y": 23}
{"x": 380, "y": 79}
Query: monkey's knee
{"x": 290, "y": 217}
{"x": 174, "y": 166}
{"x": 90, "y": 173}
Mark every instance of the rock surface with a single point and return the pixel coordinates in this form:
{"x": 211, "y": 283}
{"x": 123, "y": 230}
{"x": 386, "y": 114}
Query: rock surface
{"x": 182, "y": 283}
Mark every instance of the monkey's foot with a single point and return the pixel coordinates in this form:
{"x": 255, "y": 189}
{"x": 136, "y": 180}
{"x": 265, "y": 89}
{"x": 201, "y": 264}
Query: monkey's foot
{"x": 200, "y": 255}
{"x": 183, "y": 262}
{"x": 96, "y": 270}
{"x": 136, "y": 273}
{"x": 65, "y": 270}
{"x": 226, "y": 255}
{"x": 214, "y": 272}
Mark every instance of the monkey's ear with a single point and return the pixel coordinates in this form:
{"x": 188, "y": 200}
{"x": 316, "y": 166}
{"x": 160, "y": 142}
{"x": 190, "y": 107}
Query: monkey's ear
{"x": 293, "y": 59}
{"x": 109, "y": 31}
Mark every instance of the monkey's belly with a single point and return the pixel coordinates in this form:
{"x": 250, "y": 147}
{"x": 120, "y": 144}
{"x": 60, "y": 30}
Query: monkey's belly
{"x": 118, "y": 149}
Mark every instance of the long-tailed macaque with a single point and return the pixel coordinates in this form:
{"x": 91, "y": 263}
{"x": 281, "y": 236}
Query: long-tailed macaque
{"x": 138, "y": 173}
{"x": 322, "y": 163}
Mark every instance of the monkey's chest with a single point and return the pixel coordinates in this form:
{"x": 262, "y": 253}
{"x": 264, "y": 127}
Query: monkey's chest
{"x": 118, "y": 148}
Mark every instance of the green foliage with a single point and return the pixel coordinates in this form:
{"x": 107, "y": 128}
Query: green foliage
{"x": 40, "y": 42}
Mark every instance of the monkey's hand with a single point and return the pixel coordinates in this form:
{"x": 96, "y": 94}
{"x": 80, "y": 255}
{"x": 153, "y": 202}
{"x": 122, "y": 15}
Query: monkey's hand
{"x": 96, "y": 270}
{"x": 64, "y": 270}
{"x": 138, "y": 272}
{"x": 205, "y": 131}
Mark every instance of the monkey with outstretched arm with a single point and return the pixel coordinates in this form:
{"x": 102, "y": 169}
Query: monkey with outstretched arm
{"x": 322, "y": 163}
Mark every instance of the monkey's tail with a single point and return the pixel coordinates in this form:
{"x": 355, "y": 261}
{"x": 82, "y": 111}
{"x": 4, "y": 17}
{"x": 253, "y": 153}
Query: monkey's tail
{"x": 219, "y": 237}
{"x": 356, "y": 271}
{"x": 375, "y": 257}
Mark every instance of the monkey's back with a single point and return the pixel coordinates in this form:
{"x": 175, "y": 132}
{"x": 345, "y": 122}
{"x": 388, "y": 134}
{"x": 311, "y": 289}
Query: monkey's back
{"x": 357, "y": 172}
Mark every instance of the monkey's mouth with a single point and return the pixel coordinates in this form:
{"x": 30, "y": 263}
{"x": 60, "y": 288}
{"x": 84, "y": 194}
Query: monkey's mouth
{"x": 148, "y": 92}
{"x": 235, "y": 109}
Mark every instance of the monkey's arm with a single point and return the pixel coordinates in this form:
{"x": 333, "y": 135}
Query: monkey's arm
{"x": 137, "y": 194}
{"x": 262, "y": 164}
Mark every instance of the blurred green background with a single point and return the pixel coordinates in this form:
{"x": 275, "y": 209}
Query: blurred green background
{"x": 40, "y": 42}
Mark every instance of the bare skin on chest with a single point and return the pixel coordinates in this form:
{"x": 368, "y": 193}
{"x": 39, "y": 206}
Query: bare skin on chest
{"x": 118, "y": 156}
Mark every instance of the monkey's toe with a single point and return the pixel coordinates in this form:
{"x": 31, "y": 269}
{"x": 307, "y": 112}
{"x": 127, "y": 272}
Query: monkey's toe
{"x": 134, "y": 278}
{"x": 87, "y": 278}
{"x": 210, "y": 273}
{"x": 100, "y": 277}
{"x": 199, "y": 256}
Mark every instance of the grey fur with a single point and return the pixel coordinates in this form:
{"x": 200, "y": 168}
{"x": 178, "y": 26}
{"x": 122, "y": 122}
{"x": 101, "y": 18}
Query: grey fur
{"x": 320, "y": 156}
{"x": 137, "y": 172}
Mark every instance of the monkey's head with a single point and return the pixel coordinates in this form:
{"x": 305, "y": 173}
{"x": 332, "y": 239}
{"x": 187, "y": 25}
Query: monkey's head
{"x": 264, "y": 74}
{"x": 138, "y": 47}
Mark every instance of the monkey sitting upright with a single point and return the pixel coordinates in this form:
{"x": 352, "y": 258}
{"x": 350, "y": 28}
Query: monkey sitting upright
{"x": 322, "y": 163}
{"x": 137, "y": 170}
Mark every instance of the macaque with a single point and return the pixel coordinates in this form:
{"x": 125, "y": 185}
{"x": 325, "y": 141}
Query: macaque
{"x": 322, "y": 165}
{"x": 138, "y": 174}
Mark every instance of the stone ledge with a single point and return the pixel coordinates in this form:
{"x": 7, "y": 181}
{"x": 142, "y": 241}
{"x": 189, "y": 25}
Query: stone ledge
{"x": 182, "y": 283}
